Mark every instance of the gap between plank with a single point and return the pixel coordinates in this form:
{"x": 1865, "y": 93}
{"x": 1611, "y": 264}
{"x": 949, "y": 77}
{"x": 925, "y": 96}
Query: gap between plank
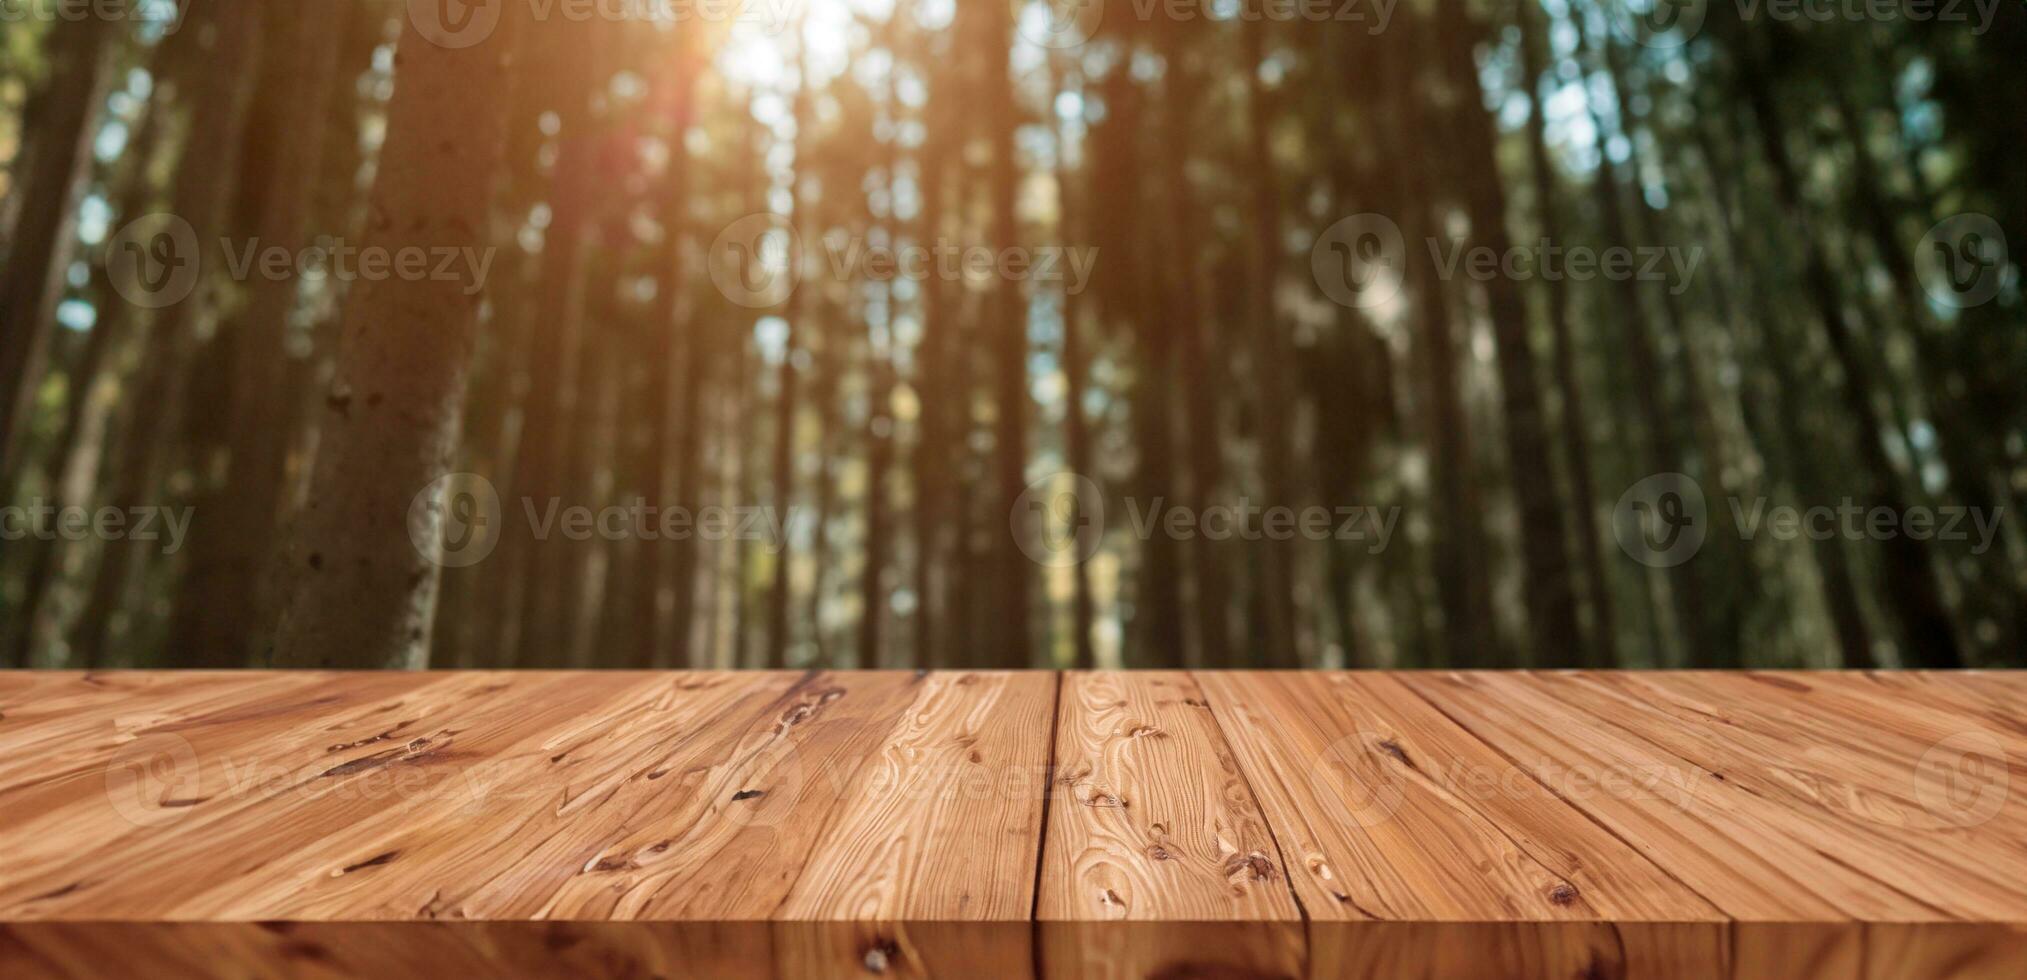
{"x": 1612, "y": 693}
{"x": 1287, "y": 876}
{"x": 1565, "y": 801}
{"x": 1042, "y": 844}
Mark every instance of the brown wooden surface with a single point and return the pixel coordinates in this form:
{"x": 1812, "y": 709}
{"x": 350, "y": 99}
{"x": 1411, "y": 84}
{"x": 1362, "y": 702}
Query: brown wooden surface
{"x": 1160, "y": 824}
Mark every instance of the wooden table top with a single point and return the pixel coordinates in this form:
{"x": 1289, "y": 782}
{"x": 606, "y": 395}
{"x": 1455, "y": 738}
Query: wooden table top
{"x": 1158, "y": 824}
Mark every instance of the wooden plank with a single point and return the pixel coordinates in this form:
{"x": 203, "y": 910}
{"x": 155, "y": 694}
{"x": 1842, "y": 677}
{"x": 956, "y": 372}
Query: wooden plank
{"x": 345, "y": 950}
{"x": 928, "y": 868}
{"x": 1158, "y": 861}
{"x": 1411, "y": 842}
{"x": 903, "y": 824}
{"x": 1708, "y": 802}
{"x": 1848, "y": 744}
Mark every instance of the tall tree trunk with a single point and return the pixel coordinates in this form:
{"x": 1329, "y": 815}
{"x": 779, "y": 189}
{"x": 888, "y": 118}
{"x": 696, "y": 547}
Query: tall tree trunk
{"x": 1544, "y": 537}
{"x": 225, "y": 605}
{"x": 786, "y": 407}
{"x": 568, "y": 53}
{"x": 1915, "y": 594}
{"x": 830, "y": 360}
{"x": 665, "y": 639}
{"x": 587, "y": 566}
{"x": 1272, "y": 355}
{"x": 366, "y": 594}
{"x": 1782, "y": 398}
{"x": 87, "y": 415}
{"x": 1158, "y": 610}
{"x": 1076, "y": 381}
{"x": 1197, "y": 363}
{"x": 1720, "y": 625}
{"x": 38, "y": 244}
{"x": 1011, "y": 642}
{"x": 1603, "y": 645}
{"x": 219, "y": 97}
{"x": 1967, "y": 455}
{"x": 881, "y": 346}
{"x": 930, "y": 471}
{"x": 1470, "y": 636}
{"x": 1665, "y": 449}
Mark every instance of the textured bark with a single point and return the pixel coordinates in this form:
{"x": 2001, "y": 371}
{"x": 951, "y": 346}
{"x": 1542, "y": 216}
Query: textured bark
{"x": 1719, "y": 625}
{"x": 1967, "y": 454}
{"x": 824, "y": 400}
{"x": 1076, "y": 381}
{"x": 1469, "y": 635}
{"x": 702, "y": 337}
{"x": 555, "y": 352}
{"x": 1914, "y": 593}
{"x": 1008, "y": 326}
{"x": 665, "y": 638}
{"x": 365, "y": 594}
{"x": 929, "y": 469}
{"x": 1198, "y": 360}
{"x": 881, "y": 346}
{"x": 219, "y": 97}
{"x": 39, "y": 241}
{"x": 74, "y": 460}
{"x": 787, "y": 381}
{"x": 1602, "y": 646}
{"x": 1546, "y": 578}
{"x": 225, "y": 604}
{"x": 1780, "y": 403}
{"x": 1128, "y": 294}
{"x": 1666, "y": 449}
{"x": 1272, "y": 354}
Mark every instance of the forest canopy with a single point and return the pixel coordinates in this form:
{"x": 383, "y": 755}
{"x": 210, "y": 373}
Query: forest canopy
{"x": 1012, "y": 333}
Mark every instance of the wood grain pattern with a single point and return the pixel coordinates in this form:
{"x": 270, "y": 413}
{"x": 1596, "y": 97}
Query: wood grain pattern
{"x": 928, "y": 867}
{"x": 1390, "y": 813}
{"x": 901, "y": 824}
{"x": 1156, "y": 845}
{"x": 1746, "y": 812}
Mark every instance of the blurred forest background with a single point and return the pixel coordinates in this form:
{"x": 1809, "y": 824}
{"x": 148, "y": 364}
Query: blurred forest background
{"x": 1832, "y": 320}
